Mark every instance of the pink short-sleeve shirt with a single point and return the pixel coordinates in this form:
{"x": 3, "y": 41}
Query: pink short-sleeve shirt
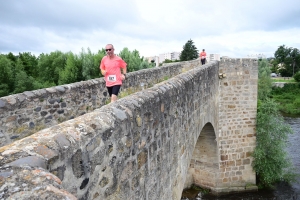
{"x": 113, "y": 70}
{"x": 202, "y": 55}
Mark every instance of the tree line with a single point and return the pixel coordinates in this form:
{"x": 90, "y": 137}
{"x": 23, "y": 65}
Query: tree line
{"x": 26, "y": 72}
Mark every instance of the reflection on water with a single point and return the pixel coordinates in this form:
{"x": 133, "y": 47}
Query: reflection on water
{"x": 281, "y": 192}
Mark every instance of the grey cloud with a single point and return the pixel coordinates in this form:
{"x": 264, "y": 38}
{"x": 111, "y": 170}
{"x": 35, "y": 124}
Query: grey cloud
{"x": 237, "y": 15}
{"x": 41, "y": 25}
{"x": 31, "y": 25}
{"x": 67, "y": 14}
{"x": 13, "y": 40}
{"x": 269, "y": 15}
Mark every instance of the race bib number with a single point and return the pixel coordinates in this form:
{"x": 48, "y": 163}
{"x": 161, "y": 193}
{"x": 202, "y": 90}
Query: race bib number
{"x": 112, "y": 78}
{"x": 202, "y": 57}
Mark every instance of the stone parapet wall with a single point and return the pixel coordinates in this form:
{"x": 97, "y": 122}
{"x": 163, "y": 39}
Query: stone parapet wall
{"x": 28, "y": 112}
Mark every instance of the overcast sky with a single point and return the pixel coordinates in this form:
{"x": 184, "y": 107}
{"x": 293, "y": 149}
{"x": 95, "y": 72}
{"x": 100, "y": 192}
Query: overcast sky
{"x": 235, "y": 28}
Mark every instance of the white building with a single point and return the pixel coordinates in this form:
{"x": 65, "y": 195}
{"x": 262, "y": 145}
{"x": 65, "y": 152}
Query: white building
{"x": 258, "y": 56}
{"x": 225, "y": 57}
{"x": 212, "y": 57}
{"x": 155, "y": 58}
{"x": 170, "y": 56}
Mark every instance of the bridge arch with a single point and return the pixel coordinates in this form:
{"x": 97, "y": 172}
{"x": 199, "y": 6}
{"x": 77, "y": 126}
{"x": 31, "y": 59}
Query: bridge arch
{"x": 204, "y": 164}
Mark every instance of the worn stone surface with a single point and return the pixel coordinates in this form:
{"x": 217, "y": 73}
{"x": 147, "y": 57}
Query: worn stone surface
{"x": 144, "y": 145}
{"x": 32, "y": 161}
{"x": 31, "y": 183}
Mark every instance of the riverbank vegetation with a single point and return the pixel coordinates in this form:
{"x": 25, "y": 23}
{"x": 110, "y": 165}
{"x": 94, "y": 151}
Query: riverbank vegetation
{"x": 288, "y": 98}
{"x": 271, "y": 161}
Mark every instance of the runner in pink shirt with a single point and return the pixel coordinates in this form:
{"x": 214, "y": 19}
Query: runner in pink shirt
{"x": 203, "y": 57}
{"x": 110, "y": 67}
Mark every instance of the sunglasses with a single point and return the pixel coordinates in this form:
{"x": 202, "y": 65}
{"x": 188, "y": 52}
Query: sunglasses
{"x": 108, "y": 49}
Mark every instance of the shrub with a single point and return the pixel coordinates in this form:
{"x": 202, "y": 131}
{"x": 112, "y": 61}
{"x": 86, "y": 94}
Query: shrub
{"x": 271, "y": 161}
{"x": 297, "y": 76}
{"x": 288, "y": 108}
{"x": 297, "y": 102}
{"x": 264, "y": 80}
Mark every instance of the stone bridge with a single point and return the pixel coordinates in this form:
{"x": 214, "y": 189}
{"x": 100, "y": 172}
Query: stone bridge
{"x": 197, "y": 126}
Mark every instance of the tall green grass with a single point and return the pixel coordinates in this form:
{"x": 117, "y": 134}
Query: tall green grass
{"x": 288, "y": 98}
{"x": 284, "y": 80}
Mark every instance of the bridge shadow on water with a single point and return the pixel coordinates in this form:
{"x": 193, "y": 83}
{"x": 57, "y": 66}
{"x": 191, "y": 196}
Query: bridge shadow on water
{"x": 282, "y": 191}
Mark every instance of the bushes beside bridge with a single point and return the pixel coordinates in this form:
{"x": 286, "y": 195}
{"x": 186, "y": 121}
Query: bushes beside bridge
{"x": 271, "y": 162}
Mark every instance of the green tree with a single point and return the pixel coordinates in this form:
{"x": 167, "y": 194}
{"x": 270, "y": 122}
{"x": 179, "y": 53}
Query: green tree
{"x": 49, "y": 66}
{"x": 29, "y": 62}
{"x": 295, "y": 59}
{"x": 288, "y": 60}
{"x": 265, "y": 82}
{"x": 90, "y": 69}
{"x": 145, "y": 65}
{"x": 297, "y": 76}
{"x": 71, "y": 72}
{"x": 6, "y": 76}
{"x": 23, "y": 82}
{"x": 189, "y": 51}
{"x": 168, "y": 61}
{"x": 271, "y": 161}
{"x": 58, "y": 64}
{"x": 12, "y": 57}
{"x": 274, "y": 65}
{"x": 132, "y": 59}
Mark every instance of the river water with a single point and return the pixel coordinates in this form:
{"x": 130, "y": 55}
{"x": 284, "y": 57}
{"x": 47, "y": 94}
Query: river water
{"x": 281, "y": 192}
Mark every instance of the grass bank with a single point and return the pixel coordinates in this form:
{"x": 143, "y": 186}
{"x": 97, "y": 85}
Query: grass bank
{"x": 283, "y": 79}
{"x": 288, "y": 98}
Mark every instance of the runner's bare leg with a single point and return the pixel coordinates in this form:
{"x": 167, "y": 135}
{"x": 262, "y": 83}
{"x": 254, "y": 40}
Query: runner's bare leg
{"x": 114, "y": 98}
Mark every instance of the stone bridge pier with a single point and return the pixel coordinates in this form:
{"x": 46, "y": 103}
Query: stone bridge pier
{"x": 197, "y": 127}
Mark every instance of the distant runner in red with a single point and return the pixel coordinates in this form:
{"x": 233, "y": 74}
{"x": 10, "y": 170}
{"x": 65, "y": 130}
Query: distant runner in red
{"x": 203, "y": 57}
{"x": 110, "y": 67}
